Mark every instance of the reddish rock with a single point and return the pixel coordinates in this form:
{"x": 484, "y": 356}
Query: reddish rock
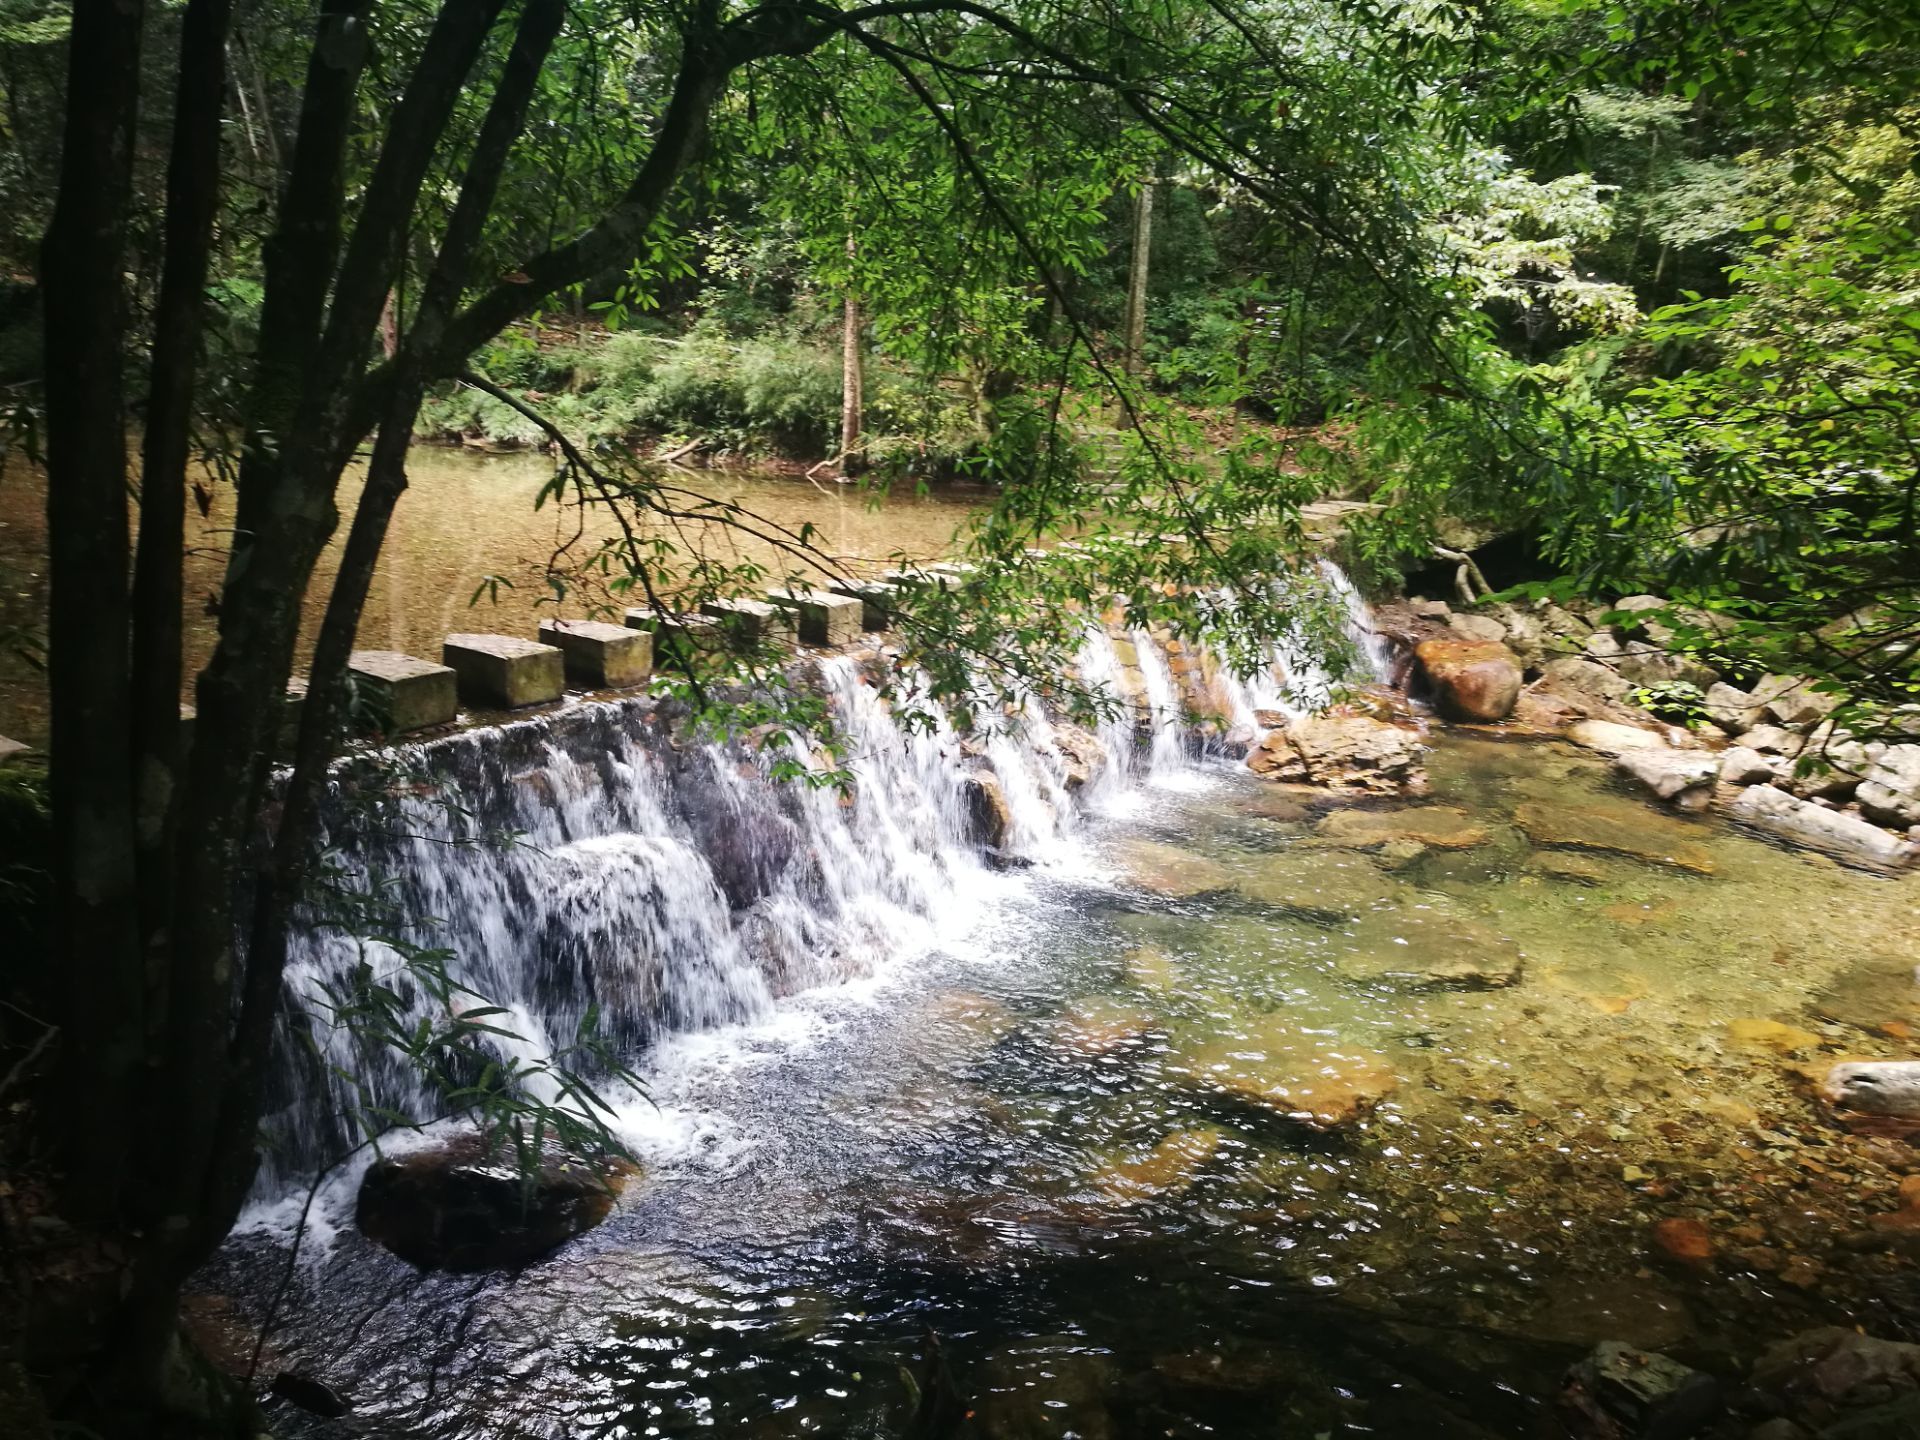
{"x": 1473, "y": 680}
{"x": 1685, "y": 1242}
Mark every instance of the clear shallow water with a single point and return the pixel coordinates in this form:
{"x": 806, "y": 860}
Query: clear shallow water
{"x": 999, "y": 1140}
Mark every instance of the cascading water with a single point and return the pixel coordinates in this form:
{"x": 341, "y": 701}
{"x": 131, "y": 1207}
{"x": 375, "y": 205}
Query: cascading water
{"x": 670, "y": 886}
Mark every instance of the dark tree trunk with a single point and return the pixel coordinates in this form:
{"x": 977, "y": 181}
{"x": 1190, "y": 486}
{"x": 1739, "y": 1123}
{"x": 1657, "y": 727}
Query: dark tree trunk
{"x": 96, "y": 949}
{"x": 193, "y": 193}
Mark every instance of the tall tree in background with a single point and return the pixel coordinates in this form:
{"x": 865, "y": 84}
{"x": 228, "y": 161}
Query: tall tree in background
{"x": 1139, "y": 262}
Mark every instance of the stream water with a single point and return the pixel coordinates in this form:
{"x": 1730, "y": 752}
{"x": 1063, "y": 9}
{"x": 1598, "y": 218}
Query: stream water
{"x": 936, "y": 1148}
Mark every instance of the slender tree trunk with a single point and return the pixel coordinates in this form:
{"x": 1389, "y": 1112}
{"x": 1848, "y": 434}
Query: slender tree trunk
{"x": 193, "y": 193}
{"x": 1137, "y": 272}
{"x": 852, "y": 378}
{"x": 96, "y": 946}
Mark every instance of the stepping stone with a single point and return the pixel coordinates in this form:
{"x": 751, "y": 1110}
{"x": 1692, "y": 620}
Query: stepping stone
{"x": 10, "y": 748}
{"x": 877, "y": 598}
{"x": 401, "y": 692}
{"x": 598, "y": 655}
{"x": 505, "y": 671}
{"x": 952, "y": 574}
{"x": 749, "y": 623}
{"x": 824, "y": 618}
{"x": 678, "y": 637}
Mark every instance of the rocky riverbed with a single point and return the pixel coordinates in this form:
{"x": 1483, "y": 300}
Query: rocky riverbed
{"x": 1307, "y": 1109}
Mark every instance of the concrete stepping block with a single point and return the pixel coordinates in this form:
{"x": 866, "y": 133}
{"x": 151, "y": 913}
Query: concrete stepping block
{"x": 678, "y": 638}
{"x": 878, "y": 600}
{"x": 598, "y": 655}
{"x": 907, "y": 577}
{"x": 10, "y": 748}
{"x": 751, "y": 622}
{"x": 824, "y": 618}
{"x": 401, "y": 692}
{"x": 952, "y": 574}
{"x": 505, "y": 671}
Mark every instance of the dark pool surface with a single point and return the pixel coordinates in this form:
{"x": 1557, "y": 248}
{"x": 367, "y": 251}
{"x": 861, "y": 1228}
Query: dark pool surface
{"x": 1053, "y": 1178}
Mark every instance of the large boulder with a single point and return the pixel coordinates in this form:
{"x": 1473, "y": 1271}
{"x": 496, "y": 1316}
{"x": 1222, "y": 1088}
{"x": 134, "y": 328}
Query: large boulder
{"x": 1741, "y": 765}
{"x": 1890, "y": 789}
{"x": 1684, "y": 779}
{"x": 1472, "y": 680}
{"x": 1791, "y": 700}
{"x": 1579, "y": 675}
{"x": 460, "y": 1206}
{"x": 1844, "y": 836}
{"x": 1478, "y": 627}
{"x": 1733, "y": 709}
{"x": 1344, "y": 751}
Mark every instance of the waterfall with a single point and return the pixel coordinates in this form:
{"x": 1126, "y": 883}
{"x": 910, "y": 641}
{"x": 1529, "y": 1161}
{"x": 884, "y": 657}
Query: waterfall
{"x": 669, "y": 885}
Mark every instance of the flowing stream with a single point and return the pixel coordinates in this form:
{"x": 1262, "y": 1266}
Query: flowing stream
{"x": 927, "y": 1144}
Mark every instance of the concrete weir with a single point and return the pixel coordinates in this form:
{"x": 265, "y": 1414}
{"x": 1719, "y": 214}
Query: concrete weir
{"x": 505, "y": 671}
{"x": 598, "y": 655}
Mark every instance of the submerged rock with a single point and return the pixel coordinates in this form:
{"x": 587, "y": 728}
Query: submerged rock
{"x": 1168, "y": 1168}
{"x": 1772, "y": 1035}
{"x": 1473, "y": 679}
{"x": 1844, "y": 836}
{"x": 454, "y": 1206}
{"x": 1168, "y": 870}
{"x": 1098, "y": 1025}
{"x": 1439, "y": 827}
{"x": 1152, "y": 969}
{"x": 1343, "y": 751}
{"x": 1684, "y": 1241}
{"x": 1308, "y": 1080}
{"x": 1424, "y": 946}
{"x": 1324, "y": 886}
{"x": 1577, "y": 869}
{"x": 1633, "y": 832}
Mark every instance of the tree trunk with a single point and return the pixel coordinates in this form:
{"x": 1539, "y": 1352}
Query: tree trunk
{"x": 852, "y": 379}
{"x": 1137, "y": 271}
{"x": 193, "y": 193}
{"x": 97, "y": 954}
